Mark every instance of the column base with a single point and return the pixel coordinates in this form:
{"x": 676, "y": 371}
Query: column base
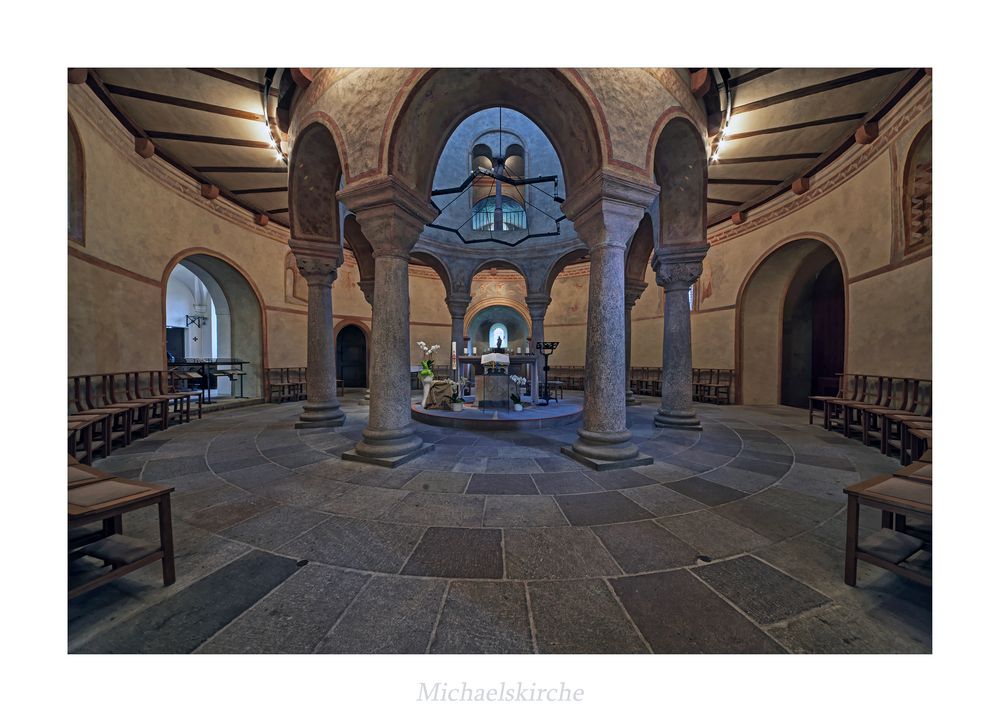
{"x": 320, "y": 415}
{"x": 665, "y": 419}
{"x": 631, "y": 400}
{"x": 606, "y": 450}
{"x": 367, "y": 399}
{"x": 389, "y": 448}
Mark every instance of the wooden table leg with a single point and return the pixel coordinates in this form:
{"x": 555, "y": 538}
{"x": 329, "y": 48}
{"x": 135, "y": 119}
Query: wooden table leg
{"x": 851, "y": 548}
{"x": 167, "y": 541}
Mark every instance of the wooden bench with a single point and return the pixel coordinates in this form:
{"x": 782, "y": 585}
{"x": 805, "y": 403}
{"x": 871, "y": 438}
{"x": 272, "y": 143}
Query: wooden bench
{"x": 95, "y": 497}
{"x": 889, "y": 548}
{"x": 287, "y": 383}
{"x": 712, "y": 386}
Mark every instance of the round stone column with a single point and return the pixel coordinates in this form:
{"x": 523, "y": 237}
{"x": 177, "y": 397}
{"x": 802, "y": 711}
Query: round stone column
{"x": 458, "y": 304}
{"x": 321, "y": 407}
{"x": 633, "y": 290}
{"x": 367, "y": 286}
{"x": 391, "y": 217}
{"x": 389, "y": 438}
{"x": 676, "y": 272}
{"x": 538, "y": 304}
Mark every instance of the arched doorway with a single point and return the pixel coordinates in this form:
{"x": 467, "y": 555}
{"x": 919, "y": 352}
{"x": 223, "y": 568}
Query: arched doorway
{"x": 791, "y": 325}
{"x": 212, "y": 312}
{"x": 352, "y": 357}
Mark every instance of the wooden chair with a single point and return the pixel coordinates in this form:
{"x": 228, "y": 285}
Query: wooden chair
{"x": 833, "y": 409}
{"x": 152, "y": 384}
{"x": 83, "y": 406}
{"x": 115, "y": 392}
{"x": 179, "y": 382}
{"x": 822, "y": 400}
{"x": 891, "y": 423}
{"x": 867, "y": 392}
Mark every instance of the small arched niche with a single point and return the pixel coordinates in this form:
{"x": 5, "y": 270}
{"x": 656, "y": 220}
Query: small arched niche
{"x": 917, "y": 193}
{"x": 505, "y": 320}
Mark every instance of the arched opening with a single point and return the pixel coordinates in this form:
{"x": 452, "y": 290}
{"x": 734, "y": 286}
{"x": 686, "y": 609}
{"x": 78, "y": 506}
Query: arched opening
{"x": 352, "y": 356}
{"x": 76, "y": 191}
{"x": 791, "y": 323}
{"x": 214, "y": 316}
{"x": 507, "y": 322}
{"x": 546, "y": 96}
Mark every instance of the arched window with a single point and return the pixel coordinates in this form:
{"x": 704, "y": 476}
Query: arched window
{"x": 75, "y": 178}
{"x": 484, "y": 215}
{"x": 917, "y": 193}
{"x": 498, "y": 335}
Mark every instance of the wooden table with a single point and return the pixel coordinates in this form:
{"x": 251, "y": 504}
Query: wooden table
{"x": 886, "y": 548}
{"x": 96, "y": 497}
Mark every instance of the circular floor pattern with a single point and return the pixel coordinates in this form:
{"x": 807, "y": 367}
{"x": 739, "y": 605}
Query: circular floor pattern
{"x": 495, "y": 541}
{"x": 473, "y": 419}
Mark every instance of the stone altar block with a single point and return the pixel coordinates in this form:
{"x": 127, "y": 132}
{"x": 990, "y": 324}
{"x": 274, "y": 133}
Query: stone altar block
{"x": 493, "y": 391}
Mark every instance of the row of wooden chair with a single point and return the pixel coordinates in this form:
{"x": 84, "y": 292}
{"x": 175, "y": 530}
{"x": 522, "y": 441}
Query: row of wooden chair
{"x": 286, "y": 383}
{"x": 112, "y": 409}
{"x": 893, "y": 412}
{"x": 713, "y": 386}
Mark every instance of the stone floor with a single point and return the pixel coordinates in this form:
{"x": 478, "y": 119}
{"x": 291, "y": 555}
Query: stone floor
{"x": 732, "y": 541}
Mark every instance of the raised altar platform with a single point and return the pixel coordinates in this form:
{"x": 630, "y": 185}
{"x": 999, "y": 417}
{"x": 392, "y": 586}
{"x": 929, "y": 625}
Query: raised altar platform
{"x": 533, "y": 417}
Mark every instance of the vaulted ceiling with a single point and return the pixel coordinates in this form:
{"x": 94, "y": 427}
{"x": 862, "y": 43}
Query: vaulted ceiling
{"x": 783, "y": 123}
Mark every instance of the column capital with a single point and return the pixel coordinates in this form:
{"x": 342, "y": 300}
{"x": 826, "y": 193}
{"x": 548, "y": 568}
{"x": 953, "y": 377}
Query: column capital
{"x": 678, "y": 267}
{"x": 538, "y": 304}
{"x": 367, "y": 286}
{"x": 633, "y": 290}
{"x": 458, "y": 303}
{"x": 390, "y": 214}
{"x": 606, "y": 209}
{"x": 318, "y": 271}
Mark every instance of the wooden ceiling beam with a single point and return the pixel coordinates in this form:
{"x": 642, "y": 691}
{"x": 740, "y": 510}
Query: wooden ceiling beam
{"x": 234, "y": 79}
{"x": 752, "y": 75}
{"x": 239, "y": 169}
{"x": 808, "y": 90}
{"x": 212, "y": 139}
{"x": 765, "y": 158}
{"x": 184, "y": 103}
{"x": 796, "y": 126}
{"x": 248, "y": 191}
{"x": 887, "y": 103}
{"x": 743, "y": 182}
{"x": 724, "y": 202}
{"x": 276, "y": 211}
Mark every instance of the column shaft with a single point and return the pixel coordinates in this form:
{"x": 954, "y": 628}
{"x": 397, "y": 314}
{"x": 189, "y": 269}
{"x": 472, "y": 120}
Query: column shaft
{"x": 322, "y": 407}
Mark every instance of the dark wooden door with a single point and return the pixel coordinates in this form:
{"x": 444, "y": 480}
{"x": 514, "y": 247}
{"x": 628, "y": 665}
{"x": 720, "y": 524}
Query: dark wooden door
{"x": 827, "y": 329}
{"x": 175, "y": 341}
{"x": 352, "y": 357}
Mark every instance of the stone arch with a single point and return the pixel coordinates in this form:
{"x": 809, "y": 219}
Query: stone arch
{"x": 296, "y": 288}
{"x": 680, "y": 167}
{"x": 314, "y": 174}
{"x": 77, "y": 191}
{"x": 640, "y": 249}
{"x": 772, "y": 294}
{"x": 361, "y": 247}
{"x": 438, "y": 265}
{"x": 477, "y": 308}
{"x": 560, "y": 264}
{"x": 248, "y": 330}
{"x": 548, "y": 97}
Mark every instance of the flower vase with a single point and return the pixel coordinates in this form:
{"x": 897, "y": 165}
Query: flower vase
{"x": 518, "y": 407}
{"x": 427, "y": 381}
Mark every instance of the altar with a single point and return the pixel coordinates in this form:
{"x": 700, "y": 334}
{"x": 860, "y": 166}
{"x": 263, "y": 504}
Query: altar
{"x": 523, "y": 364}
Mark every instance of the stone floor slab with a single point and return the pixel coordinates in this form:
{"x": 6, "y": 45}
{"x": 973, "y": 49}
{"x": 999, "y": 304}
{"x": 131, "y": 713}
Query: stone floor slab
{"x": 457, "y": 553}
{"x": 581, "y": 617}
{"x": 605, "y": 507}
{"x": 357, "y": 544}
{"x": 274, "y": 527}
{"x": 484, "y": 618}
{"x": 712, "y": 535}
{"x": 766, "y": 595}
{"x": 501, "y": 484}
{"x": 706, "y": 492}
{"x": 556, "y": 553}
{"x": 522, "y": 511}
{"x": 294, "y": 617}
{"x": 644, "y": 546}
{"x": 677, "y": 614}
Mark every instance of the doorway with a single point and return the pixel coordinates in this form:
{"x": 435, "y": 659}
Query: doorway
{"x": 352, "y": 357}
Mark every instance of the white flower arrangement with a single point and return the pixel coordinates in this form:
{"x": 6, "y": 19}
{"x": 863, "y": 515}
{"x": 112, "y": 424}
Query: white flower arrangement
{"x": 428, "y": 350}
{"x": 519, "y": 380}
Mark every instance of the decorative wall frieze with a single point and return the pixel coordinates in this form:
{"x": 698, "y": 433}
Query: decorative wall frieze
{"x": 839, "y": 172}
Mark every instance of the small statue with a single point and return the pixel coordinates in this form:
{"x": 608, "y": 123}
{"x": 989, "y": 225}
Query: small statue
{"x": 499, "y": 341}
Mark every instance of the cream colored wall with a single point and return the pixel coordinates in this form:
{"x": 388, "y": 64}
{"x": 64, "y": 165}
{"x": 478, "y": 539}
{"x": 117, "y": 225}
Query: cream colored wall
{"x": 855, "y": 206}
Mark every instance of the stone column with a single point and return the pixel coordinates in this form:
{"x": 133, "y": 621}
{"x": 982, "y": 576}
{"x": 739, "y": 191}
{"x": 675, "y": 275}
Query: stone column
{"x": 676, "y": 270}
{"x": 367, "y": 286}
{"x": 391, "y": 217}
{"x": 322, "y": 407}
{"x": 458, "y": 303}
{"x": 605, "y": 214}
{"x": 633, "y": 290}
{"x": 538, "y": 304}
